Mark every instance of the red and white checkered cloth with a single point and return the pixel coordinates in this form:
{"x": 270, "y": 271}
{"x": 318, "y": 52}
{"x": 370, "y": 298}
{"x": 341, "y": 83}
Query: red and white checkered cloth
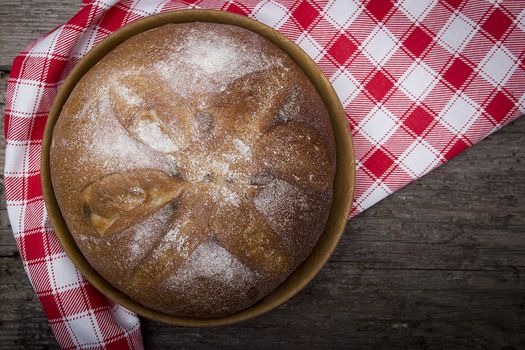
{"x": 421, "y": 80}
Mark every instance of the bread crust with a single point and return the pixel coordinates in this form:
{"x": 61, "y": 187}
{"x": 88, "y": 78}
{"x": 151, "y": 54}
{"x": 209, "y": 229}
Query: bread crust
{"x": 194, "y": 167}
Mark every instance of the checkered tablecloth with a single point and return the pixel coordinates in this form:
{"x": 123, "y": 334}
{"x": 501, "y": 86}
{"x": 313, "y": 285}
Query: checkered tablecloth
{"x": 420, "y": 80}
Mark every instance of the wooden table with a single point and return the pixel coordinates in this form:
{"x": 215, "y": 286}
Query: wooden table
{"x": 437, "y": 265}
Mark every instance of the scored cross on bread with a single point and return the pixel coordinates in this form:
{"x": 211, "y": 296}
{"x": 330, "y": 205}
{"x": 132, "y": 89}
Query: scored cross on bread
{"x": 118, "y": 201}
{"x": 194, "y": 166}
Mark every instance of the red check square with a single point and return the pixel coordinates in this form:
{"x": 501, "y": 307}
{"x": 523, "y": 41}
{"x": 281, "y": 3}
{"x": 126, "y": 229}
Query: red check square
{"x": 81, "y": 18}
{"x": 497, "y": 23}
{"x": 50, "y": 306}
{"x": 379, "y": 85}
{"x": 379, "y": 8}
{"x": 34, "y": 247}
{"x": 55, "y": 69}
{"x": 457, "y": 148}
{"x": 454, "y": 3}
{"x": 236, "y": 9}
{"x": 417, "y": 41}
{"x": 17, "y": 66}
{"x": 96, "y": 299}
{"x": 342, "y": 49}
{"x": 378, "y": 163}
{"x": 305, "y": 14}
{"x": 37, "y": 130}
{"x": 34, "y": 189}
{"x": 457, "y": 73}
{"x": 418, "y": 120}
{"x": 113, "y": 19}
{"x": 118, "y": 344}
{"x": 499, "y": 107}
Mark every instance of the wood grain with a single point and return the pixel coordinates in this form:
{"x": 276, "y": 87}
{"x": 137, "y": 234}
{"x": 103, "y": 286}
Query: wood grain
{"x": 437, "y": 265}
{"x": 23, "y": 21}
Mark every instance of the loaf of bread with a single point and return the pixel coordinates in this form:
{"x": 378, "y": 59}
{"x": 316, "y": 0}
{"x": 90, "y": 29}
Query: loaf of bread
{"x": 194, "y": 167}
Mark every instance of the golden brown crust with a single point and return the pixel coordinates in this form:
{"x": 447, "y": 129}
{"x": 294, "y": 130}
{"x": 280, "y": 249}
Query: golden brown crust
{"x": 119, "y": 200}
{"x": 194, "y": 166}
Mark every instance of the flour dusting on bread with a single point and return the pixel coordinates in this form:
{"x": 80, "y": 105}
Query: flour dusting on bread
{"x": 244, "y": 140}
{"x": 207, "y": 61}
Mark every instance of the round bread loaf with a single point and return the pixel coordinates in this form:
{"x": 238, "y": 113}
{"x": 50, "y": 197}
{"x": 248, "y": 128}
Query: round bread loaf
{"x": 194, "y": 167}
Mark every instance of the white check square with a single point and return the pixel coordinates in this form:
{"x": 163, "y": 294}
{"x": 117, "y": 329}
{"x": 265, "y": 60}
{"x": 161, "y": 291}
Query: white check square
{"x": 149, "y": 7}
{"x": 459, "y": 113}
{"x": 380, "y": 45}
{"x": 419, "y": 158}
{"x": 498, "y": 65}
{"x": 520, "y": 21}
{"x": 346, "y": 86}
{"x": 379, "y": 125}
{"x": 28, "y": 94}
{"x": 84, "y": 43}
{"x": 15, "y": 159}
{"x": 521, "y": 103}
{"x": 85, "y": 331}
{"x": 122, "y": 315}
{"x": 105, "y": 4}
{"x": 343, "y": 12}
{"x": 63, "y": 273}
{"x": 271, "y": 13}
{"x": 418, "y": 81}
{"x": 373, "y": 194}
{"x": 457, "y": 33}
{"x": 310, "y": 46}
{"x": 16, "y": 212}
{"x": 417, "y": 10}
{"x": 46, "y": 45}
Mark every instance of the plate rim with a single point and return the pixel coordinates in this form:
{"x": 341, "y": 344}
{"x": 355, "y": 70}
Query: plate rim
{"x": 344, "y": 181}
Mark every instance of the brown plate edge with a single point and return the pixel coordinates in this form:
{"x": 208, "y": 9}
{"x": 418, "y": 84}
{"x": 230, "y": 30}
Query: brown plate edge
{"x": 344, "y": 181}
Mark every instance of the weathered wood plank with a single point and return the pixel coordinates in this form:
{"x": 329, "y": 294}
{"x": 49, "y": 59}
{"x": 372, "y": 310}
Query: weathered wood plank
{"x": 22, "y": 21}
{"x": 22, "y": 321}
{"x": 439, "y": 264}
{"x": 7, "y": 242}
